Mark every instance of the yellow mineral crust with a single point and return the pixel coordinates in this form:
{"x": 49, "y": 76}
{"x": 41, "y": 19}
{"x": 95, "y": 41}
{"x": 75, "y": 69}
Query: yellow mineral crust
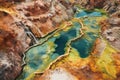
{"x": 96, "y": 67}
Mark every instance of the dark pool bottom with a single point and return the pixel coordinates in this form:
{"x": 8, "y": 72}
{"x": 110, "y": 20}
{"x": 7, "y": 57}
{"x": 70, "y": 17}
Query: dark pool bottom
{"x": 83, "y": 47}
{"x": 63, "y": 39}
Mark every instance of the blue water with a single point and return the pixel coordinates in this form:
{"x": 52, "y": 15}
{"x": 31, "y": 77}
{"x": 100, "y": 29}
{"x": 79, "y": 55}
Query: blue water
{"x": 33, "y": 59}
{"x": 97, "y": 14}
{"x": 83, "y": 13}
{"x": 63, "y": 39}
{"x": 33, "y": 56}
{"x": 54, "y": 56}
{"x": 83, "y": 47}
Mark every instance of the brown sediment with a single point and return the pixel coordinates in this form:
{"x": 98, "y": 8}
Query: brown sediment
{"x": 90, "y": 4}
{"x": 12, "y": 47}
{"x": 116, "y": 60}
{"x": 110, "y": 30}
{"x": 97, "y": 4}
{"x": 98, "y": 47}
{"x": 10, "y": 55}
{"x": 110, "y": 6}
{"x": 43, "y": 17}
{"x": 95, "y": 51}
{"x": 75, "y": 69}
{"x": 104, "y": 25}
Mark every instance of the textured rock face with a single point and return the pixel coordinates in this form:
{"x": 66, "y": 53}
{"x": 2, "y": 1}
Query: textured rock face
{"x": 8, "y": 3}
{"x": 10, "y": 56}
{"x": 113, "y": 36}
{"x": 57, "y": 74}
{"x": 90, "y": 4}
{"x": 110, "y": 6}
{"x": 12, "y": 46}
{"x": 11, "y": 0}
{"x": 10, "y": 65}
{"x": 112, "y": 31}
{"x": 42, "y": 17}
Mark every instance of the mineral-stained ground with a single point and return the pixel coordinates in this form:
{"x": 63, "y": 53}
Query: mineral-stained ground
{"x": 59, "y": 39}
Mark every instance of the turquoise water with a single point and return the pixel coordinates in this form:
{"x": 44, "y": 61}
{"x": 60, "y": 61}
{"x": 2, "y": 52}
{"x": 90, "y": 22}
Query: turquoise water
{"x": 83, "y": 13}
{"x": 34, "y": 57}
{"x": 66, "y": 36}
{"x": 63, "y": 39}
{"x": 84, "y": 44}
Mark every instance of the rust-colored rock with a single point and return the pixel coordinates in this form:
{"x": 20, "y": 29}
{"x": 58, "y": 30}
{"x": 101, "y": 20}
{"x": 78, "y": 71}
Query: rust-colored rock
{"x": 116, "y": 58}
{"x": 79, "y": 73}
{"x": 42, "y": 17}
{"x": 12, "y": 46}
